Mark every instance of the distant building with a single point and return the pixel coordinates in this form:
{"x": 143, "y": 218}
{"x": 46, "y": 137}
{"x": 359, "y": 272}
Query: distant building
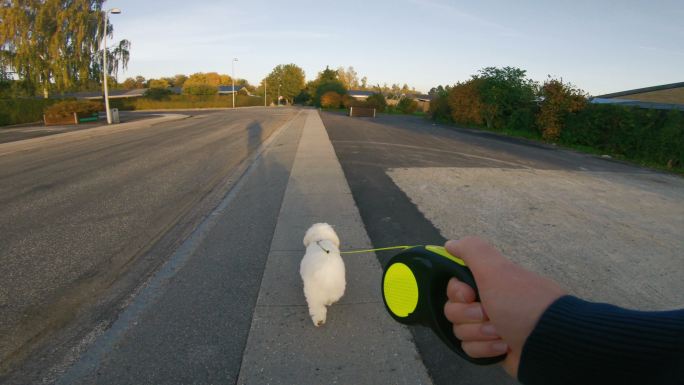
{"x": 423, "y": 102}
{"x": 113, "y": 94}
{"x": 229, "y": 90}
{"x": 666, "y": 97}
{"x": 360, "y": 94}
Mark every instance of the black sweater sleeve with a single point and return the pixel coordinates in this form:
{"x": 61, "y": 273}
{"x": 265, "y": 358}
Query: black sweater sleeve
{"x": 579, "y": 342}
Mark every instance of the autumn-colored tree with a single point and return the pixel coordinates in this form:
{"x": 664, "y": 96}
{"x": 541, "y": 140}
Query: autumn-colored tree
{"x": 331, "y": 99}
{"x": 465, "y": 102}
{"x": 158, "y": 89}
{"x": 288, "y": 79}
{"x": 201, "y": 83}
{"x": 558, "y": 101}
{"x": 158, "y": 83}
{"x": 55, "y": 44}
{"x": 140, "y": 82}
{"x": 128, "y": 84}
{"x": 349, "y": 77}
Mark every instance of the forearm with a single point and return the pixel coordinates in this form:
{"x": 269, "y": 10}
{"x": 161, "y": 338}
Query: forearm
{"x": 580, "y": 342}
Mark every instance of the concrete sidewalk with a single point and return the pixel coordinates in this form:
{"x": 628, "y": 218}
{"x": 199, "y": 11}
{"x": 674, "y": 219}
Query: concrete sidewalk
{"x": 360, "y": 343}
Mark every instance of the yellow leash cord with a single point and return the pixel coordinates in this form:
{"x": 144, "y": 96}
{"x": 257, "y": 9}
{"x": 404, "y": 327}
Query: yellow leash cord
{"x": 378, "y": 249}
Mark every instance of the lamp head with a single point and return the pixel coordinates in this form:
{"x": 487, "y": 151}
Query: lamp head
{"x": 115, "y": 11}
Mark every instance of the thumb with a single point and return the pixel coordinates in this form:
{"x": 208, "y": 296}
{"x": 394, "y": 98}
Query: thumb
{"x": 481, "y": 257}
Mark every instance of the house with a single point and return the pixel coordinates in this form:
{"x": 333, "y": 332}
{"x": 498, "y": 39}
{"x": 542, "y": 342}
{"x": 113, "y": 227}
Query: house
{"x": 423, "y": 102}
{"x": 113, "y": 94}
{"x": 228, "y": 90}
{"x": 663, "y": 97}
{"x": 360, "y": 94}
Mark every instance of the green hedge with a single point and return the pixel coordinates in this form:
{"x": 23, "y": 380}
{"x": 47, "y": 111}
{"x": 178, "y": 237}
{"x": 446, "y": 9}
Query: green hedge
{"x": 17, "y": 111}
{"x": 647, "y": 135}
{"x": 186, "y": 101}
{"x": 68, "y": 107}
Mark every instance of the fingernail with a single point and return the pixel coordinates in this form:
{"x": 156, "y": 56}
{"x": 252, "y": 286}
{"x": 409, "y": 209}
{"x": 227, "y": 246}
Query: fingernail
{"x": 488, "y": 330}
{"x": 500, "y": 347}
{"x": 474, "y": 313}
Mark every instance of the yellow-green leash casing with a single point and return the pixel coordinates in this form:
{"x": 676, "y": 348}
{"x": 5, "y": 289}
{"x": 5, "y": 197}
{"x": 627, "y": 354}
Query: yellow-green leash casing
{"x": 414, "y": 286}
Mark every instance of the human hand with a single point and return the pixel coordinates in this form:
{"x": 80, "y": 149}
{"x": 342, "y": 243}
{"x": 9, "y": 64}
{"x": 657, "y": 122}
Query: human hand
{"x": 512, "y": 300}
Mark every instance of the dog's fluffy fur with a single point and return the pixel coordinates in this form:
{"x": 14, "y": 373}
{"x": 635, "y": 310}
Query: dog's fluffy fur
{"x": 322, "y": 270}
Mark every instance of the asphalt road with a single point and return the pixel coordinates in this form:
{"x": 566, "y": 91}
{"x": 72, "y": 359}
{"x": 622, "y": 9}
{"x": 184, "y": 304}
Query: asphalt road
{"x": 85, "y": 219}
{"x": 416, "y": 182}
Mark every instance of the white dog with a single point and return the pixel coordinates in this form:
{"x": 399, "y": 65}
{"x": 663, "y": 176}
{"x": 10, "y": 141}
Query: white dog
{"x": 322, "y": 270}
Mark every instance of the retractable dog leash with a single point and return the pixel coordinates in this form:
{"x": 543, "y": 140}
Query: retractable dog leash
{"x": 414, "y": 285}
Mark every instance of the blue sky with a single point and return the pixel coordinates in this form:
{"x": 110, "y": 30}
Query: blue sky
{"x": 600, "y": 46}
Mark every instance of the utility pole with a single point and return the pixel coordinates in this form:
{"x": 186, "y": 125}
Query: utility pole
{"x": 105, "y": 70}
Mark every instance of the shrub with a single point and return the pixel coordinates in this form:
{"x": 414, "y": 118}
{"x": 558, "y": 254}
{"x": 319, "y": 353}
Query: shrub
{"x": 640, "y": 134}
{"x": 503, "y": 91}
{"x": 465, "y": 103}
{"x": 303, "y": 98}
{"x": 407, "y": 105}
{"x": 439, "y": 104}
{"x": 187, "y": 101}
{"x": 523, "y": 119}
{"x": 348, "y": 101}
{"x": 326, "y": 86}
{"x": 158, "y": 93}
{"x": 377, "y": 101}
{"x": 68, "y": 107}
{"x": 558, "y": 101}
{"x": 331, "y": 99}
{"x": 18, "y": 111}
{"x": 200, "y": 89}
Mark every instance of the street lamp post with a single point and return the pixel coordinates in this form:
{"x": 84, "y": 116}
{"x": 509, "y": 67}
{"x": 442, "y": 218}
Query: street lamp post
{"x": 233, "y": 78}
{"x": 114, "y": 11}
{"x": 279, "y": 94}
{"x": 265, "y": 85}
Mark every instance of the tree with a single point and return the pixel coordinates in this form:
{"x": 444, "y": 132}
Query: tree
{"x": 465, "y": 102}
{"x": 364, "y": 83}
{"x": 179, "y": 80}
{"x": 128, "y": 84}
{"x": 158, "y": 83}
{"x": 439, "y": 103}
{"x": 326, "y": 81}
{"x": 407, "y": 105}
{"x": 558, "y": 101}
{"x": 140, "y": 82}
{"x": 377, "y": 101}
{"x": 289, "y": 77}
{"x": 348, "y": 77}
{"x": 158, "y": 89}
{"x": 504, "y": 91}
{"x": 201, "y": 83}
{"x": 54, "y": 44}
